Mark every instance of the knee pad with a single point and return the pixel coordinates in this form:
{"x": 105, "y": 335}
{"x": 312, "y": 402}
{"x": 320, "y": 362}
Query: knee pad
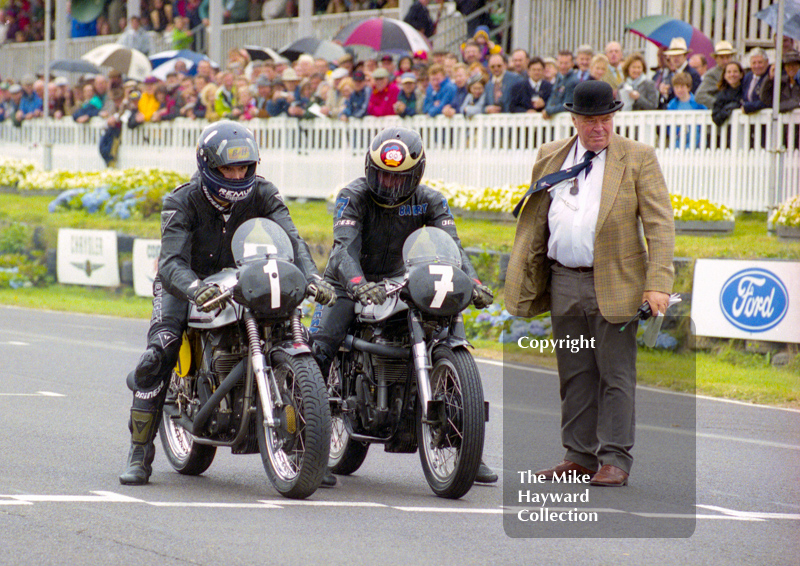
{"x": 148, "y": 370}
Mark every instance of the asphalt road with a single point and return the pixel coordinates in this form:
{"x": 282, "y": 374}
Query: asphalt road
{"x": 64, "y": 438}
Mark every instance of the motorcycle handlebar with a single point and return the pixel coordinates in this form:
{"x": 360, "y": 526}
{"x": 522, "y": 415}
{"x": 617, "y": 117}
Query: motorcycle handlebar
{"x": 223, "y": 297}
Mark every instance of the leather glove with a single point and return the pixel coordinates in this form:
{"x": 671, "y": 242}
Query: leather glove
{"x": 204, "y": 294}
{"x": 371, "y": 292}
{"x": 322, "y": 291}
{"x": 482, "y": 296}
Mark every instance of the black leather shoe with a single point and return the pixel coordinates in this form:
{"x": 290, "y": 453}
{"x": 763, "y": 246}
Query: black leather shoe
{"x": 328, "y": 480}
{"x": 485, "y": 474}
{"x": 140, "y": 464}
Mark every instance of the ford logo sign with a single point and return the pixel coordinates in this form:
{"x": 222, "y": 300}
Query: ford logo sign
{"x": 754, "y": 300}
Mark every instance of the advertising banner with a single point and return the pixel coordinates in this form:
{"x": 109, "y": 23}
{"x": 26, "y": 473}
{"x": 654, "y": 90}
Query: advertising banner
{"x": 145, "y": 265}
{"x": 754, "y": 300}
{"x": 88, "y": 257}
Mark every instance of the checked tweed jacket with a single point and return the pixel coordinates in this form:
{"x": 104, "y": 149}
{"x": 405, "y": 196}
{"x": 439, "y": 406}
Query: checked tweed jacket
{"x": 634, "y": 208}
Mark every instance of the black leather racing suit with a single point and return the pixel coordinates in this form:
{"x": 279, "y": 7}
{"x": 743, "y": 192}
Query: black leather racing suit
{"x": 196, "y": 239}
{"x": 368, "y": 245}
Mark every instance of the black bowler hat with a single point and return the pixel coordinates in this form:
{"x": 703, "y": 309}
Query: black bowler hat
{"x": 593, "y": 98}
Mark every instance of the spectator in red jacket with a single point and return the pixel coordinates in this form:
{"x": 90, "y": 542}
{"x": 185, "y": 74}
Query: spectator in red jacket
{"x": 384, "y": 94}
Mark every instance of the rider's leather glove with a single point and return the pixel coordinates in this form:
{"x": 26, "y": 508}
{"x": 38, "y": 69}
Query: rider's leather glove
{"x": 371, "y": 292}
{"x": 322, "y": 291}
{"x": 482, "y": 296}
{"x": 204, "y": 294}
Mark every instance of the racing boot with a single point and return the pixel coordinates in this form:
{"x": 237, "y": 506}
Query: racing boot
{"x": 328, "y": 480}
{"x": 143, "y": 425}
{"x": 485, "y": 474}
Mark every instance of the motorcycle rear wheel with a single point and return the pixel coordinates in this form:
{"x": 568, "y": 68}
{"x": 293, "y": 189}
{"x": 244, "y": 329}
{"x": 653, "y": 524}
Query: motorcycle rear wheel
{"x": 295, "y": 454}
{"x": 185, "y": 455}
{"x": 346, "y": 455}
{"x": 450, "y": 450}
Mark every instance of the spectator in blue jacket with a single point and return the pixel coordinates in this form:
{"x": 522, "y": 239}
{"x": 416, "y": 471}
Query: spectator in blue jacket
{"x": 406, "y": 105}
{"x": 91, "y": 106}
{"x": 441, "y": 91}
{"x": 356, "y": 105}
{"x": 30, "y": 105}
{"x": 684, "y": 100}
{"x": 565, "y": 84}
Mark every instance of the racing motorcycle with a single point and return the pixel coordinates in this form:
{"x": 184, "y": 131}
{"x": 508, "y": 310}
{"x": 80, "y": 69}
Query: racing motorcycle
{"x": 404, "y": 376}
{"x": 246, "y": 378}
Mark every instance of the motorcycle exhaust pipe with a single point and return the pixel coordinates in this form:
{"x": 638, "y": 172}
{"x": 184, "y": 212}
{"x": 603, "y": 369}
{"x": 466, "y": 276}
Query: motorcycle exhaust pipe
{"x": 353, "y": 343}
{"x": 224, "y": 388}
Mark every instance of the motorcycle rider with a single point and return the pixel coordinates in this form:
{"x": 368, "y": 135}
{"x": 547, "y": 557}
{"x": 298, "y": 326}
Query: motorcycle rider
{"x": 374, "y": 215}
{"x": 198, "y": 221}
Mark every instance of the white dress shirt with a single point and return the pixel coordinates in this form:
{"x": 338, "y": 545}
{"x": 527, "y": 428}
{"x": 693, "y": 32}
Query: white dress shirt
{"x": 573, "y": 218}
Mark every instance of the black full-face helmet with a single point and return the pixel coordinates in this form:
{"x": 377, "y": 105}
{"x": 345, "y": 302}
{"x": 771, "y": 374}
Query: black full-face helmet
{"x": 227, "y": 143}
{"x": 395, "y": 164}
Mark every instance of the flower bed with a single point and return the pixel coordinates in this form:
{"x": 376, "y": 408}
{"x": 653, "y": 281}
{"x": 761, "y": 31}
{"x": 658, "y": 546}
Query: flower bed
{"x": 786, "y": 219}
{"x": 701, "y": 217}
{"x": 113, "y": 191}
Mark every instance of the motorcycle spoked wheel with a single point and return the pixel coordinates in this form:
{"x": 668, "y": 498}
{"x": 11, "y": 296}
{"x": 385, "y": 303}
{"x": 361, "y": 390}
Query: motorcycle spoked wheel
{"x": 346, "y": 455}
{"x": 295, "y": 454}
{"x": 185, "y": 455}
{"x": 450, "y": 450}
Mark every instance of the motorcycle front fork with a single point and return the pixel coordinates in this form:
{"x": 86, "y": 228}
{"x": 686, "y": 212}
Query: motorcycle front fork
{"x": 262, "y": 372}
{"x": 422, "y": 365}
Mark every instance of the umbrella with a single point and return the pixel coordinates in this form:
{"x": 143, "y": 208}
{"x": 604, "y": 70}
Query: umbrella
{"x": 318, "y": 48}
{"x": 663, "y": 29}
{"x": 164, "y": 62}
{"x": 129, "y": 62}
{"x": 791, "y": 17}
{"x": 191, "y": 58}
{"x": 75, "y": 66}
{"x": 263, "y": 53}
{"x": 383, "y": 34}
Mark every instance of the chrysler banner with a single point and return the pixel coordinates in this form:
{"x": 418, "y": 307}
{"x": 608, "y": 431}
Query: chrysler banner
{"x": 754, "y": 300}
{"x": 87, "y": 257}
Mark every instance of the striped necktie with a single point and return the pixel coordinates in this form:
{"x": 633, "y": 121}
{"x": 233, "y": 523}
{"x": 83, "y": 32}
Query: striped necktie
{"x": 554, "y": 178}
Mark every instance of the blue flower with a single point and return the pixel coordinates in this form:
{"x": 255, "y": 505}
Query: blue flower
{"x": 63, "y": 199}
{"x": 93, "y": 200}
{"x": 665, "y": 342}
{"x": 483, "y": 317}
{"x": 536, "y": 328}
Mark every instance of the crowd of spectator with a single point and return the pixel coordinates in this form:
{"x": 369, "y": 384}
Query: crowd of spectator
{"x": 23, "y": 20}
{"x": 479, "y": 79}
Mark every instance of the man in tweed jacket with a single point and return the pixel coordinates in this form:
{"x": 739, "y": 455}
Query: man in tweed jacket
{"x": 580, "y": 253}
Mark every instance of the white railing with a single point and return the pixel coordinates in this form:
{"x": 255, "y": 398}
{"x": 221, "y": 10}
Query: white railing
{"x": 731, "y": 165}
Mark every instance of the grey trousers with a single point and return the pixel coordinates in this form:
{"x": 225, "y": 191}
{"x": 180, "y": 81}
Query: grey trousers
{"x": 597, "y": 384}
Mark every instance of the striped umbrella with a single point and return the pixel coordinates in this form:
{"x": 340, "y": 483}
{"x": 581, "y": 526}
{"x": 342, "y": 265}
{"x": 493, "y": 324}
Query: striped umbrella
{"x": 384, "y": 35}
{"x": 663, "y": 29}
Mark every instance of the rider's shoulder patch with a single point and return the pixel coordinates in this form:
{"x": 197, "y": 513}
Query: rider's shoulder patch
{"x": 166, "y": 217}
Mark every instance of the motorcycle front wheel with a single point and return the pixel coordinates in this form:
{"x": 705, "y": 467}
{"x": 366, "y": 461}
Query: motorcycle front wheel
{"x": 295, "y": 453}
{"x": 185, "y": 455}
{"x": 451, "y": 443}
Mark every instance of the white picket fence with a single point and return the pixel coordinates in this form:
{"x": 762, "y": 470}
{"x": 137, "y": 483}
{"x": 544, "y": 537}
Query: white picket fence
{"x": 731, "y": 165}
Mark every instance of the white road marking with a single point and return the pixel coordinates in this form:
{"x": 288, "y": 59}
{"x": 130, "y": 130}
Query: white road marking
{"x": 752, "y": 514}
{"x": 449, "y": 510}
{"x": 213, "y": 505}
{"x": 722, "y": 513}
{"x": 281, "y": 502}
{"x": 37, "y": 394}
{"x": 15, "y": 343}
